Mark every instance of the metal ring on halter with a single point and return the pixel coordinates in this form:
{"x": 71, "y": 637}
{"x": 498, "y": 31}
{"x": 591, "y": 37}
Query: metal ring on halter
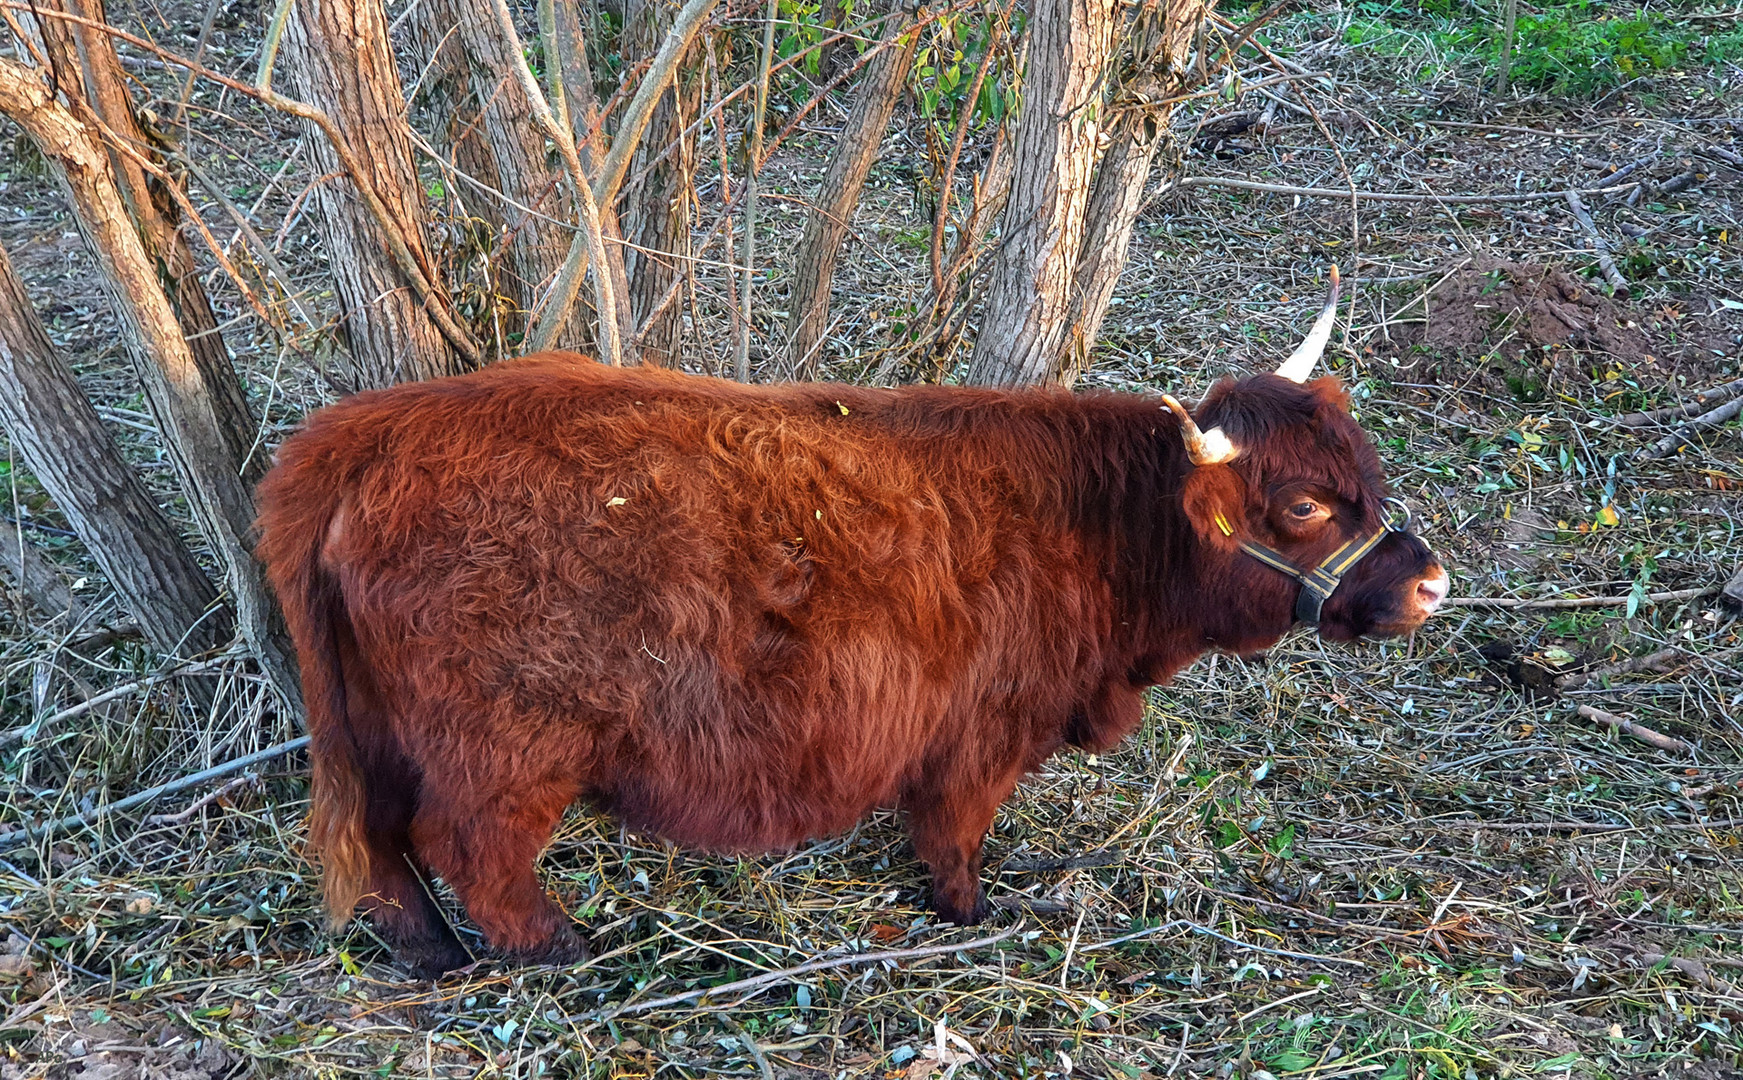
{"x": 1398, "y": 519}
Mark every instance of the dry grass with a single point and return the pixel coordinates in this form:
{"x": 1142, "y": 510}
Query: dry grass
{"x": 1391, "y": 860}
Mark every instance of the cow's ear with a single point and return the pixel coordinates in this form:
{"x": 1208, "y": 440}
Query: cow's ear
{"x": 1330, "y": 390}
{"x": 1215, "y": 499}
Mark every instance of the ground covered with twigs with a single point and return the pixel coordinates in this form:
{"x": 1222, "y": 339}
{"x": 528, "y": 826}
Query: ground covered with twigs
{"x": 1496, "y": 849}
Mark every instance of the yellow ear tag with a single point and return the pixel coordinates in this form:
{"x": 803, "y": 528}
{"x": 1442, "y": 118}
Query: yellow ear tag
{"x": 1223, "y": 524}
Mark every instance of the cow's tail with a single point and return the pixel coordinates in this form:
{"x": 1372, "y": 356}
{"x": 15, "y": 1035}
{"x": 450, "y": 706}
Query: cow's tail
{"x": 298, "y": 508}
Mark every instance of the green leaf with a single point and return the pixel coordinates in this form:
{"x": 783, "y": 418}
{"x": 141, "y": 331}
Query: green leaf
{"x": 1290, "y": 1061}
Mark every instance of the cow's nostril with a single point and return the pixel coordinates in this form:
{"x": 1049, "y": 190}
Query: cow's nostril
{"x": 1431, "y": 591}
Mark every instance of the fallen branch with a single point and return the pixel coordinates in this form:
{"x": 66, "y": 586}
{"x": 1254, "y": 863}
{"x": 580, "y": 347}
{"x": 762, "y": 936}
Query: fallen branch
{"x": 1657, "y": 663}
{"x": 769, "y": 978}
{"x": 1383, "y": 196}
{"x": 1676, "y": 412}
{"x": 1695, "y": 970}
{"x": 1074, "y": 862}
{"x": 19, "y": 836}
{"x": 1554, "y": 603}
{"x": 1606, "y": 264}
{"x": 1674, "y": 441}
{"x": 1183, "y": 924}
{"x": 203, "y": 801}
{"x": 1629, "y": 727}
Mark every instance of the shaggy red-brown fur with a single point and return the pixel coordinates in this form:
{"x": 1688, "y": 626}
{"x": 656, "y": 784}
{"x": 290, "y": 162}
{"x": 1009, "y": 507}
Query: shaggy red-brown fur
{"x": 741, "y": 616}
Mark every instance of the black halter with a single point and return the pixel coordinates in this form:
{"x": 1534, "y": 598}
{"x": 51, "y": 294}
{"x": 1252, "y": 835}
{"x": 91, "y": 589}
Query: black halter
{"x": 1319, "y": 583}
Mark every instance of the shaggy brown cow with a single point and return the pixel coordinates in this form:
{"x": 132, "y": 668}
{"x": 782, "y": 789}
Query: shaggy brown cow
{"x": 740, "y": 617}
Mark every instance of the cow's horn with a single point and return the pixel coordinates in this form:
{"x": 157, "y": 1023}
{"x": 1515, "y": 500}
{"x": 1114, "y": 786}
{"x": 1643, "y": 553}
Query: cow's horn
{"x": 1204, "y": 447}
{"x": 1302, "y": 361}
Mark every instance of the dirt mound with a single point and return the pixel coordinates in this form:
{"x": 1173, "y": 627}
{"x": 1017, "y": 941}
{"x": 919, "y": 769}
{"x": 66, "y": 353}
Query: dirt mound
{"x": 1536, "y": 330}
{"x": 1522, "y": 310}
{"x": 1517, "y": 309}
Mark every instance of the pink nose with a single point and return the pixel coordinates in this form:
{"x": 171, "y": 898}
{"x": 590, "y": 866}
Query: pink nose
{"x": 1431, "y": 591}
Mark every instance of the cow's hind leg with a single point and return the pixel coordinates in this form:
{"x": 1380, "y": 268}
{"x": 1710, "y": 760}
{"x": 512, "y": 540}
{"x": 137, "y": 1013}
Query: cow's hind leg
{"x": 398, "y": 903}
{"x": 484, "y": 841}
{"x": 948, "y": 819}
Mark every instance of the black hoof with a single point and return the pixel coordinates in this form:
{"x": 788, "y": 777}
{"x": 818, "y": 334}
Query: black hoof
{"x": 431, "y": 959}
{"x": 564, "y": 950}
{"x": 961, "y": 914}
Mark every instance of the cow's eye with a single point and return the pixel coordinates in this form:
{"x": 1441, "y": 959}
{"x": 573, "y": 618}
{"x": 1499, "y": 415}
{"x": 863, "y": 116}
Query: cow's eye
{"x": 1304, "y": 510}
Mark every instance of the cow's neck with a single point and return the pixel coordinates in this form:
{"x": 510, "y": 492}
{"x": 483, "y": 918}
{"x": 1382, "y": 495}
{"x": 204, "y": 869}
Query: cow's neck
{"x": 1177, "y": 596}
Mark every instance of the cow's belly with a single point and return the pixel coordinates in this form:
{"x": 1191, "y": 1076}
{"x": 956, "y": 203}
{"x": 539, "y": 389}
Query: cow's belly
{"x": 751, "y": 805}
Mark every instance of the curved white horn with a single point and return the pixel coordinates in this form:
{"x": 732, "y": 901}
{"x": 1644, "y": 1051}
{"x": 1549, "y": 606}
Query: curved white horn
{"x": 1203, "y": 447}
{"x": 1302, "y": 361}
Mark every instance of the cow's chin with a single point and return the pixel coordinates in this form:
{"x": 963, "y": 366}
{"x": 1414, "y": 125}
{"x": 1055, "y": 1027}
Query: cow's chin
{"x": 1388, "y": 624}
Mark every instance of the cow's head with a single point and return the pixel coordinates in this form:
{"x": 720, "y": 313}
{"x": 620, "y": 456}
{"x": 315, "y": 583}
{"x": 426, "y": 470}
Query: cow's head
{"x": 1287, "y": 489}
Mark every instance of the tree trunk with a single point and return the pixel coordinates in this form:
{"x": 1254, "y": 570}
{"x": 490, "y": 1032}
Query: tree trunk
{"x": 35, "y": 576}
{"x": 221, "y": 503}
{"x": 57, "y": 432}
{"x": 339, "y": 58}
{"x": 1063, "y": 252}
{"x": 572, "y": 81}
{"x": 488, "y": 128}
{"x": 655, "y": 213}
{"x": 832, "y": 211}
{"x": 1112, "y": 211}
{"x": 158, "y": 219}
{"x": 1025, "y": 324}
{"x": 1161, "y": 43}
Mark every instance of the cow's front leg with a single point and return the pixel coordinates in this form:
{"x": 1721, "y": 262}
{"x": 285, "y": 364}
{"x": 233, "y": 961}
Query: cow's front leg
{"x": 948, "y": 819}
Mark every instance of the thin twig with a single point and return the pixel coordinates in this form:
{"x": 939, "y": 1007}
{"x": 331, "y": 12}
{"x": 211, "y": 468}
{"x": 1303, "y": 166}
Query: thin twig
{"x": 753, "y": 160}
{"x": 604, "y": 293}
{"x": 77, "y": 821}
{"x": 1511, "y": 603}
{"x": 757, "y": 982}
{"x": 1184, "y": 924}
{"x": 947, "y": 182}
{"x": 193, "y": 668}
{"x": 203, "y": 801}
{"x": 1380, "y": 196}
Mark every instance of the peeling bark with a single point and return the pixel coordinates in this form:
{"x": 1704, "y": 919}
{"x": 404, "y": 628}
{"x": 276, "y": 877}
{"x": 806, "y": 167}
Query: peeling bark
{"x": 1026, "y": 321}
{"x": 338, "y": 55}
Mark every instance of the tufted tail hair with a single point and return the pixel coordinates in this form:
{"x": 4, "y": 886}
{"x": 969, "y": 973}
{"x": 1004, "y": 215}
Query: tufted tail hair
{"x": 298, "y": 507}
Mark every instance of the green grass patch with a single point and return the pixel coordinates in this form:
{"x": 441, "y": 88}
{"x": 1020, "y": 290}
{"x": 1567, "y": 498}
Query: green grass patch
{"x": 1581, "y": 49}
